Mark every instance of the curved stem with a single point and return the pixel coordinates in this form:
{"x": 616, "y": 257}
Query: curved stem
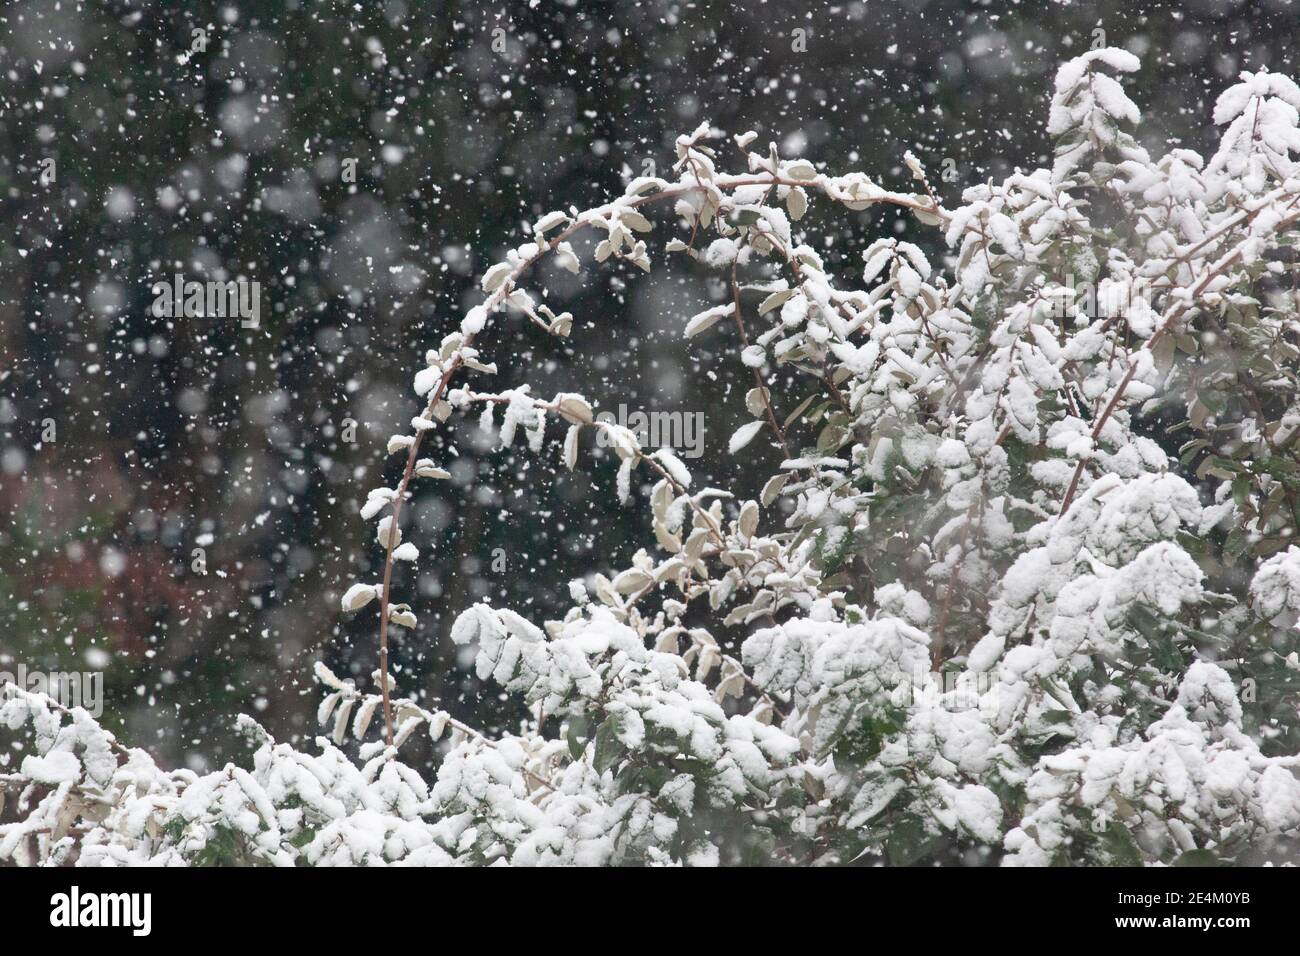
{"x": 496, "y": 298}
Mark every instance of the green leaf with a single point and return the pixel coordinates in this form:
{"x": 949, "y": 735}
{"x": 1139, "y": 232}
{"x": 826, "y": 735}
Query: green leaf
{"x": 908, "y": 841}
{"x": 1214, "y": 401}
{"x": 799, "y": 410}
{"x": 1237, "y": 543}
{"x": 1118, "y": 842}
{"x": 1241, "y": 489}
{"x": 577, "y": 736}
{"x": 609, "y": 749}
{"x": 649, "y": 779}
{"x": 1198, "y": 858}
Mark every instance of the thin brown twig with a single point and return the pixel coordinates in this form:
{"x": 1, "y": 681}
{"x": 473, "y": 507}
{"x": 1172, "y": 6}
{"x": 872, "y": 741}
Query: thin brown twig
{"x": 763, "y": 392}
{"x": 1175, "y": 313}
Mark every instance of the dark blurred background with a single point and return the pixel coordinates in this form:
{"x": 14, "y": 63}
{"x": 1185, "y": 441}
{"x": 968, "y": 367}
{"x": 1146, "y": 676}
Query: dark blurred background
{"x": 128, "y": 441}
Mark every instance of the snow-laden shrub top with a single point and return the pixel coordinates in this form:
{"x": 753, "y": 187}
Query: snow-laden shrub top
{"x": 979, "y": 612}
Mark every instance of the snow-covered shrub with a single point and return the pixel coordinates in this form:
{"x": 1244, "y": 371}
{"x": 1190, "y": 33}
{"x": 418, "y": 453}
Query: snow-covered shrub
{"x": 1021, "y": 587}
